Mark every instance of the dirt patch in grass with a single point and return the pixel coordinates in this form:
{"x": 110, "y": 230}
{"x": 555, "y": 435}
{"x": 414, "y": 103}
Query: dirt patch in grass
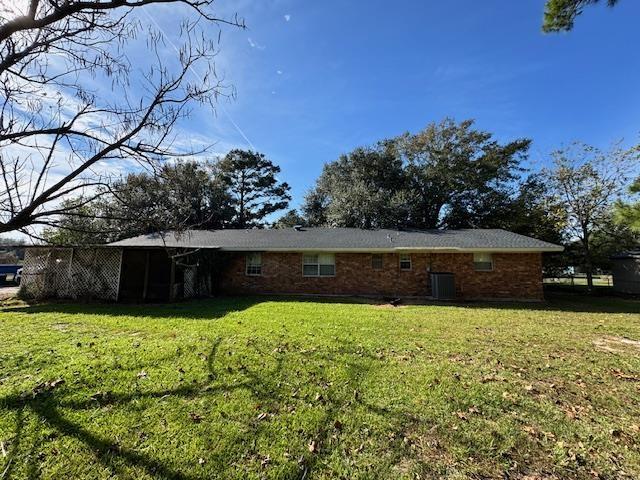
{"x": 63, "y": 327}
{"x": 614, "y": 344}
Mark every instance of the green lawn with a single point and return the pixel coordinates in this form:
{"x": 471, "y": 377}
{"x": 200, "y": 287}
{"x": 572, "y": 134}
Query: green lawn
{"x": 277, "y": 388}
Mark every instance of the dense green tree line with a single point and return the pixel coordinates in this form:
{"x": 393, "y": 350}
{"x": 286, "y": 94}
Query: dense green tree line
{"x": 448, "y": 175}
{"x": 237, "y": 191}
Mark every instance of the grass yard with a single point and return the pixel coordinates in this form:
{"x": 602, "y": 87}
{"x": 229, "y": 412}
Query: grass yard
{"x": 284, "y": 388}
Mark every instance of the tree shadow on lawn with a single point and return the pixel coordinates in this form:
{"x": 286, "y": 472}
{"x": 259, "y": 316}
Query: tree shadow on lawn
{"x": 267, "y": 386}
{"x": 567, "y": 302}
{"x": 201, "y": 309}
{"x": 218, "y": 307}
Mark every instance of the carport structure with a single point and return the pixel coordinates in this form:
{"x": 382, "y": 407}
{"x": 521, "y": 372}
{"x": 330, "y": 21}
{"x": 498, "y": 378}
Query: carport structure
{"x": 114, "y": 273}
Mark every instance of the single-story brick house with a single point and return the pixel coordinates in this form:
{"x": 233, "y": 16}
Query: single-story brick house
{"x": 476, "y": 263}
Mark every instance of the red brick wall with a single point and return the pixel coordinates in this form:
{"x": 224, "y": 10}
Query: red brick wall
{"x": 514, "y": 275}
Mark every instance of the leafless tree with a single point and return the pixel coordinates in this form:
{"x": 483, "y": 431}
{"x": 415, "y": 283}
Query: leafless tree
{"x": 60, "y": 135}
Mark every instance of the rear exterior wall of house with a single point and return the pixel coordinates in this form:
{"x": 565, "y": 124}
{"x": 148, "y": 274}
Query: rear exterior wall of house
{"x": 512, "y": 276}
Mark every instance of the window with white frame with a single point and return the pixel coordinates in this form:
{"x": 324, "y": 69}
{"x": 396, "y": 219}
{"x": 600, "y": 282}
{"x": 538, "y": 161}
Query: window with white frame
{"x": 319, "y": 265}
{"x": 482, "y": 262}
{"x": 376, "y": 261}
{"x": 254, "y": 264}
{"x": 405, "y": 261}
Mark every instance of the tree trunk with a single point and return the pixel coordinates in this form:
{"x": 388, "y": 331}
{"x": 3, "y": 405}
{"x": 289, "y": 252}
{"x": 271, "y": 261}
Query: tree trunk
{"x": 241, "y": 213}
{"x": 588, "y": 264}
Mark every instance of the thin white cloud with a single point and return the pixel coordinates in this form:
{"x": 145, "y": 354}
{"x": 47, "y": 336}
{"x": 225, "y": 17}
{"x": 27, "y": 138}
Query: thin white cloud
{"x": 287, "y": 17}
{"x": 279, "y": 72}
{"x": 255, "y": 44}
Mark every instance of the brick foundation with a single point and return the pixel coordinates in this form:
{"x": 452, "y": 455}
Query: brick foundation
{"x": 514, "y": 276}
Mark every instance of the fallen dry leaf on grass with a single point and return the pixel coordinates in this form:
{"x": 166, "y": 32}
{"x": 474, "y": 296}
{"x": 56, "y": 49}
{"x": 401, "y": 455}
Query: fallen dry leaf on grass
{"x": 46, "y": 386}
{"x": 624, "y": 376}
{"x": 313, "y": 446}
{"x": 574, "y": 412}
{"x": 509, "y": 396}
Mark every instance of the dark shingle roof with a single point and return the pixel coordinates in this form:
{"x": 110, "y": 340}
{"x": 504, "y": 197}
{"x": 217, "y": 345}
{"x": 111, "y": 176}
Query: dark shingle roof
{"x": 342, "y": 239}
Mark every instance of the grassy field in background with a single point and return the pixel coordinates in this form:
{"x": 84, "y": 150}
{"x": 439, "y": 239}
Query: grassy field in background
{"x": 285, "y": 388}
{"x": 598, "y": 281}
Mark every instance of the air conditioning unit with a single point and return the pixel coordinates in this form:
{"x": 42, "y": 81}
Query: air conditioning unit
{"x": 443, "y": 286}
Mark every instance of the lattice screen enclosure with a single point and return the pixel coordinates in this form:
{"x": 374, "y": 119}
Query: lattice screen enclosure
{"x": 92, "y": 273}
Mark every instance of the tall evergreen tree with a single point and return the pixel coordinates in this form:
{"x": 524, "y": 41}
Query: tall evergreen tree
{"x": 290, "y": 219}
{"x": 628, "y": 213}
{"x": 252, "y": 181}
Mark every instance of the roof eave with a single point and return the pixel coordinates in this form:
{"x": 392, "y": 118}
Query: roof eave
{"x": 395, "y": 249}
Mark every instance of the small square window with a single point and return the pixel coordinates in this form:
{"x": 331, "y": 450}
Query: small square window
{"x": 254, "y": 264}
{"x": 310, "y": 270}
{"x": 327, "y": 270}
{"x": 376, "y": 261}
{"x": 405, "y": 261}
{"x": 482, "y": 262}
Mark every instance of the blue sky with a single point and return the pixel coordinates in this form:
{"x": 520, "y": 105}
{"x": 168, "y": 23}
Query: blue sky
{"x": 317, "y": 79}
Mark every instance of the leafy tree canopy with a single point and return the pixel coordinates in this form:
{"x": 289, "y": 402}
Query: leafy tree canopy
{"x": 449, "y": 175}
{"x": 363, "y": 189}
{"x": 450, "y": 166}
{"x": 628, "y": 213}
{"x": 237, "y": 191}
{"x": 560, "y": 15}
{"x": 176, "y": 197}
{"x": 587, "y": 182}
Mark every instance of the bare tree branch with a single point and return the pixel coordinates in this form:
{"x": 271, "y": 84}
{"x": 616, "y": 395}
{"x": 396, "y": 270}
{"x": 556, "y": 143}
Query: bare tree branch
{"x": 57, "y": 137}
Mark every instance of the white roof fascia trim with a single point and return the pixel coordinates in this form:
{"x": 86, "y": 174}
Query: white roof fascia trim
{"x": 336, "y": 250}
{"x": 396, "y": 249}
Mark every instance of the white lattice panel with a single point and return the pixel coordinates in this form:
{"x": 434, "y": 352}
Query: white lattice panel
{"x": 72, "y": 273}
{"x": 95, "y": 273}
{"x": 190, "y": 282}
{"x": 45, "y": 272}
{"x": 33, "y": 272}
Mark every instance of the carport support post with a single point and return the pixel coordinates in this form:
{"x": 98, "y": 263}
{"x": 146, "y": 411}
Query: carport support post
{"x": 145, "y": 285}
{"x": 172, "y": 279}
